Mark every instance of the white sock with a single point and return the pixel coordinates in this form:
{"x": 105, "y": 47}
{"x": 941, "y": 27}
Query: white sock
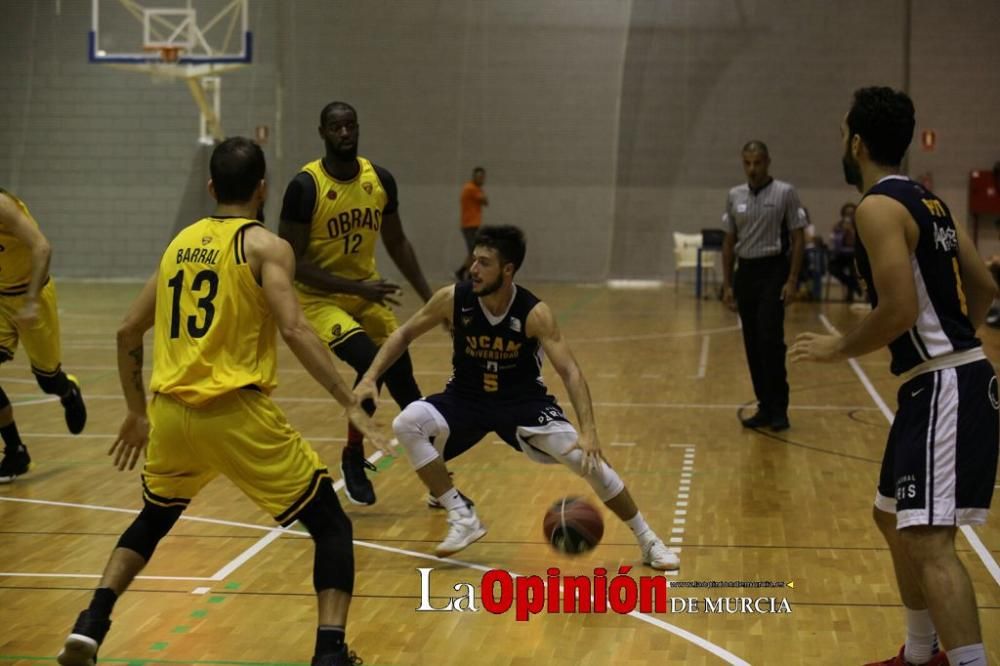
{"x": 968, "y": 655}
{"x": 921, "y": 638}
{"x": 637, "y": 524}
{"x": 451, "y": 500}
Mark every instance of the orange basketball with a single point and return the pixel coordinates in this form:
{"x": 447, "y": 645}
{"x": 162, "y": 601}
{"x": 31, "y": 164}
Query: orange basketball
{"x": 573, "y": 526}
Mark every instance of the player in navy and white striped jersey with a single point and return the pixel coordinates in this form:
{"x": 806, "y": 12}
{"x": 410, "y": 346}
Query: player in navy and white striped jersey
{"x": 929, "y": 291}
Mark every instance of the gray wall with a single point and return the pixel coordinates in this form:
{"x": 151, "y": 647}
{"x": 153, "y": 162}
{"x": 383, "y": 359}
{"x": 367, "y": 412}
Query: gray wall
{"x": 604, "y": 125}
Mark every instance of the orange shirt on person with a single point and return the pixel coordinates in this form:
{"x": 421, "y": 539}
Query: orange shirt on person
{"x": 472, "y": 205}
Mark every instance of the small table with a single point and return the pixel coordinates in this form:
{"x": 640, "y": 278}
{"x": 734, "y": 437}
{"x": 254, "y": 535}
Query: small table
{"x": 698, "y": 268}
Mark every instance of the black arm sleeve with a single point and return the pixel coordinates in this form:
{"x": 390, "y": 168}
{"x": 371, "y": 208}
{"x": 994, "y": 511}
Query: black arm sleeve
{"x": 300, "y": 199}
{"x": 389, "y": 183}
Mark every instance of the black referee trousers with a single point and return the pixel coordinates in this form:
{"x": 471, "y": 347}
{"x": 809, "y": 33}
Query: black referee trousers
{"x": 757, "y": 288}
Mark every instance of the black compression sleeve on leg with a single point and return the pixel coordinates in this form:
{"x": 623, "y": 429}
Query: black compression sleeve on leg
{"x": 400, "y": 382}
{"x": 151, "y": 525}
{"x": 330, "y": 528}
{"x": 4, "y": 400}
{"x": 357, "y": 351}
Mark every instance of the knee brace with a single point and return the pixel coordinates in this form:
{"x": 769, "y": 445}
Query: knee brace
{"x": 4, "y": 400}
{"x": 561, "y": 445}
{"x": 53, "y": 383}
{"x": 151, "y": 525}
{"x": 332, "y": 533}
{"x": 400, "y": 381}
{"x": 415, "y": 427}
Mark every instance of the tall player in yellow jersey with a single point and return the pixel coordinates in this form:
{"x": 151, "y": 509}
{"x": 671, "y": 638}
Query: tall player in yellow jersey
{"x": 333, "y": 213}
{"x": 29, "y": 314}
{"x": 222, "y": 290}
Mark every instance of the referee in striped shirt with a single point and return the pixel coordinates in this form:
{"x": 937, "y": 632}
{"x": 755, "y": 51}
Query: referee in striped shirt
{"x": 764, "y": 224}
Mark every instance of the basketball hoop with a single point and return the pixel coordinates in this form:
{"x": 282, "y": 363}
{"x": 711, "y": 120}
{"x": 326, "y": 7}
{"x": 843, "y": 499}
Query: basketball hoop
{"x": 169, "y": 55}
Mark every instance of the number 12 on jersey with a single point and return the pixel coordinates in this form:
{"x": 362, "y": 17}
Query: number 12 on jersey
{"x": 204, "y": 287}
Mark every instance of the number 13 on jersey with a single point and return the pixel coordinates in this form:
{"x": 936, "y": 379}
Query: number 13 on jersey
{"x": 201, "y": 295}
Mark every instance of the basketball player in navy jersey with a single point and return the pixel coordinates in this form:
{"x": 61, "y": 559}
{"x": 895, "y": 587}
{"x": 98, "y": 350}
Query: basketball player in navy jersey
{"x": 929, "y": 292}
{"x": 500, "y": 332}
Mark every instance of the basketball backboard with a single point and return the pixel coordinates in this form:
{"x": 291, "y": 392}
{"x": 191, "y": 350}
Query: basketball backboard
{"x": 187, "y": 32}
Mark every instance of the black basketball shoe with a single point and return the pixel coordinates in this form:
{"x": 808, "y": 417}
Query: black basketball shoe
{"x": 14, "y": 464}
{"x": 81, "y": 645}
{"x": 357, "y": 485}
{"x": 76, "y": 411}
{"x": 339, "y": 658}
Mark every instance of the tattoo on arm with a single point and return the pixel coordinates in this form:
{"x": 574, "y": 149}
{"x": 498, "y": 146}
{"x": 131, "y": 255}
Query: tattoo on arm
{"x": 136, "y": 355}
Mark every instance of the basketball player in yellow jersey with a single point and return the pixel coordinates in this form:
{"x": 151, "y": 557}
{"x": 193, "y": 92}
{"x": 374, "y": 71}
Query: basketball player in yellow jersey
{"x": 333, "y": 213}
{"x": 223, "y": 287}
{"x": 28, "y": 312}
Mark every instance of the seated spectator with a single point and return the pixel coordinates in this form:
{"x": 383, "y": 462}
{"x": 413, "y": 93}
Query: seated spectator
{"x": 813, "y": 264}
{"x": 841, "y": 264}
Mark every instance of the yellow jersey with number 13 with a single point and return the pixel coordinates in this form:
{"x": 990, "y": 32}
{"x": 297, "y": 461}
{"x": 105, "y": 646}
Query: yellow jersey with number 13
{"x": 214, "y": 332}
{"x": 346, "y": 221}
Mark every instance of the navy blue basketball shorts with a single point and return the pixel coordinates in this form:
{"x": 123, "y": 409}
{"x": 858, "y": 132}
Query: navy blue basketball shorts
{"x": 940, "y": 462}
{"x": 464, "y": 421}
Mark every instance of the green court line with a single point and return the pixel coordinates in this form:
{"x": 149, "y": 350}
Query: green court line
{"x": 216, "y": 600}
{"x": 181, "y": 629}
{"x": 199, "y": 613}
{"x": 232, "y": 586}
{"x": 156, "y": 647}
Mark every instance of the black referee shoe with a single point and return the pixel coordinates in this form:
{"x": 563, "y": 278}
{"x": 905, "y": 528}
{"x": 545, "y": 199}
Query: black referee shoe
{"x": 357, "y": 486}
{"x": 80, "y": 648}
{"x": 779, "y": 423}
{"x": 758, "y": 420}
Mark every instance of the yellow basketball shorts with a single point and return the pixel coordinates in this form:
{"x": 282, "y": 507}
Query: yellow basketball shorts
{"x": 241, "y": 435}
{"x": 41, "y": 341}
{"x": 336, "y": 317}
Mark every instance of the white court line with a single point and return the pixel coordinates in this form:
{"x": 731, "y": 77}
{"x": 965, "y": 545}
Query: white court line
{"x": 247, "y": 554}
{"x": 622, "y": 444}
{"x": 703, "y": 360}
{"x": 22, "y": 574}
{"x": 655, "y": 336}
{"x": 969, "y": 533}
{"x": 275, "y": 533}
{"x": 626, "y": 405}
{"x": 704, "y": 644}
{"x": 201, "y": 590}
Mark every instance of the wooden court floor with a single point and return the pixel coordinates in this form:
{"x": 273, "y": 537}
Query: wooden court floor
{"x": 668, "y": 379}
